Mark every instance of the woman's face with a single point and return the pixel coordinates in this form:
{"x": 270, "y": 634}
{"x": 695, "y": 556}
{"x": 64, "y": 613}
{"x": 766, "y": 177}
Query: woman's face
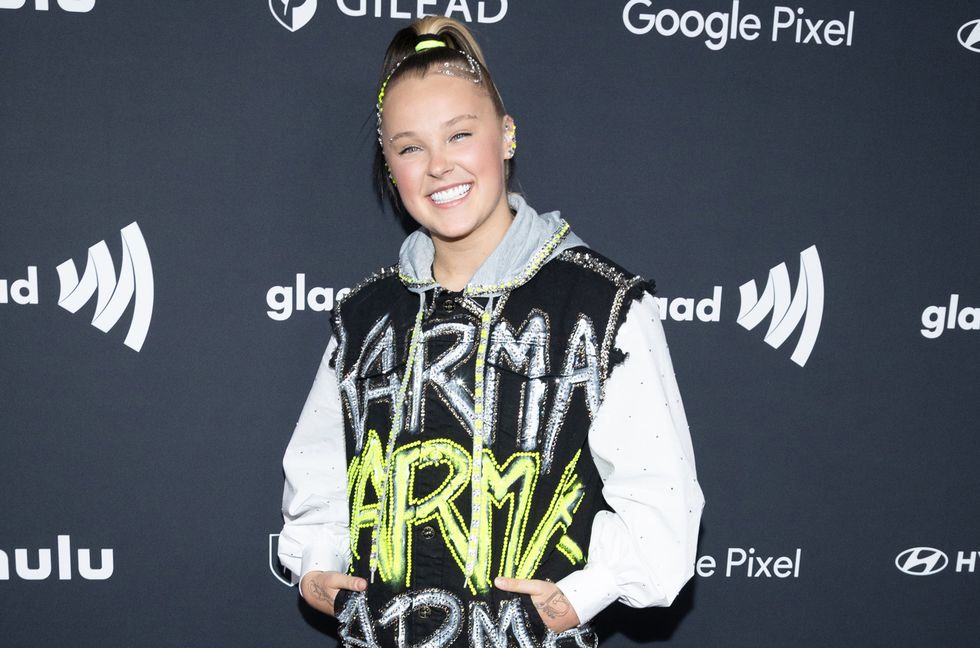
{"x": 445, "y": 147}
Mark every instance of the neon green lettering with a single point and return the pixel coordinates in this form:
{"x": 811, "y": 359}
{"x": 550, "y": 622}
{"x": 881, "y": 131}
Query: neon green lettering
{"x": 571, "y": 550}
{"x": 511, "y": 485}
{"x": 568, "y": 495}
{"x": 366, "y": 467}
{"x": 409, "y": 510}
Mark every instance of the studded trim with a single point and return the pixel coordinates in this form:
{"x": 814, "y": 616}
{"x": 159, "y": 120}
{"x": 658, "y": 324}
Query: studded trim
{"x": 623, "y": 282}
{"x": 379, "y": 274}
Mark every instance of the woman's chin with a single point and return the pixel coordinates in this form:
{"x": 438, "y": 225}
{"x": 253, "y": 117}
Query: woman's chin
{"x": 451, "y": 234}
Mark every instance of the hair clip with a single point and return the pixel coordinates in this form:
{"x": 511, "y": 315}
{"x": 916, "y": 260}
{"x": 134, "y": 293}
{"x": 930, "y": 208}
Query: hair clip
{"x": 430, "y": 42}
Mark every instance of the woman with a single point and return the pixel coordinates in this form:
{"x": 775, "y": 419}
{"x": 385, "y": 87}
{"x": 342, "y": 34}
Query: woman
{"x": 494, "y": 448}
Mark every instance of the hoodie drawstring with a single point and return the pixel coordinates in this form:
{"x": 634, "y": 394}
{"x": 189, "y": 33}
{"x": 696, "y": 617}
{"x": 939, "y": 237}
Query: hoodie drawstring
{"x": 397, "y": 421}
{"x": 476, "y": 485}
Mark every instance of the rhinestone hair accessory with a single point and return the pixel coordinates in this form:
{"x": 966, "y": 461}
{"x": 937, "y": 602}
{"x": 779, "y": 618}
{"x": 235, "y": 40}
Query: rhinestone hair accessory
{"x": 428, "y": 42}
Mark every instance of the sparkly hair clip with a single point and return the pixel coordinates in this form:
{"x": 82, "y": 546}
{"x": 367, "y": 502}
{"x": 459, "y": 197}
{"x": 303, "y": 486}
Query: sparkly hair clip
{"x": 425, "y": 43}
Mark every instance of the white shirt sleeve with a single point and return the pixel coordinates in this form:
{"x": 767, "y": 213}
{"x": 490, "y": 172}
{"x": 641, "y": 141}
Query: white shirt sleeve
{"x": 315, "y": 535}
{"x": 643, "y": 551}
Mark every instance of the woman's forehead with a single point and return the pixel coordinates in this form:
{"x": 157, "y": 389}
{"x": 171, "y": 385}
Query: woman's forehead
{"x": 434, "y": 99}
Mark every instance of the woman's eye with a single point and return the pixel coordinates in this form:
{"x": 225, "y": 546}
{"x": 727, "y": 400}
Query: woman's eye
{"x": 459, "y": 136}
{"x": 408, "y": 149}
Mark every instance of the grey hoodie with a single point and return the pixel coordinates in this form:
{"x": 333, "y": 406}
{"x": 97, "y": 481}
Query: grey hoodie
{"x": 508, "y": 265}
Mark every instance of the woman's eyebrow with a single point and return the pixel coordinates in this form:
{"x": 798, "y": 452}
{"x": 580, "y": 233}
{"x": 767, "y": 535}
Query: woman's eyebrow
{"x": 458, "y": 118}
{"x": 451, "y": 122}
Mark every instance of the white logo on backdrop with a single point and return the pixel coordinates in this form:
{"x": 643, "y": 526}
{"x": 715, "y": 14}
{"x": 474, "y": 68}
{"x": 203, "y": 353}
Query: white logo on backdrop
{"x": 23, "y": 561}
{"x": 280, "y": 572}
{"x": 20, "y": 291}
{"x": 969, "y": 35}
{"x": 926, "y": 561}
{"x": 921, "y": 561}
{"x": 720, "y": 27}
{"x": 747, "y": 563}
{"x": 293, "y": 14}
{"x": 135, "y": 283}
{"x": 936, "y": 319}
{"x": 787, "y": 308}
{"x": 75, "y": 6}
{"x": 283, "y": 300}
{"x": 806, "y": 304}
{"x": 464, "y": 10}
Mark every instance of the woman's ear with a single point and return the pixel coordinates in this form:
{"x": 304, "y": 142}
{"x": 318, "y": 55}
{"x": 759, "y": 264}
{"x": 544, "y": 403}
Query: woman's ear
{"x": 510, "y": 137}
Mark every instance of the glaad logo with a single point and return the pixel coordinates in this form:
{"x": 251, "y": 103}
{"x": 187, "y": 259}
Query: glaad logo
{"x": 921, "y": 561}
{"x": 293, "y": 14}
{"x": 720, "y": 27}
{"x": 75, "y": 6}
{"x": 741, "y": 562}
{"x": 936, "y": 318}
{"x": 969, "y": 35}
{"x": 281, "y": 573}
{"x": 806, "y": 305}
{"x": 21, "y": 291}
{"x": 280, "y": 300}
{"x": 135, "y": 281}
{"x": 786, "y": 311}
{"x": 23, "y": 569}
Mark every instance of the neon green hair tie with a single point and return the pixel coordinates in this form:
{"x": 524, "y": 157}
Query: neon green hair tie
{"x": 429, "y": 44}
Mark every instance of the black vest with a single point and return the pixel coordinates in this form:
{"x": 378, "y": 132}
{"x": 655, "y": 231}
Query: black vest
{"x": 547, "y": 356}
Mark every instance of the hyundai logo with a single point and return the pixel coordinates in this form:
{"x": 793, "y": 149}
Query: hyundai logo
{"x": 969, "y": 35}
{"x": 921, "y": 561}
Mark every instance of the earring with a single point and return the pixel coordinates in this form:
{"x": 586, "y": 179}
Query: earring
{"x": 390, "y": 177}
{"x": 512, "y": 137}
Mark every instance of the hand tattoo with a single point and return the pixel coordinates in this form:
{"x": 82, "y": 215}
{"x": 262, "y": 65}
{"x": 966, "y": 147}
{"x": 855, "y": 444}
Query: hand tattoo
{"x": 321, "y": 593}
{"x": 556, "y": 606}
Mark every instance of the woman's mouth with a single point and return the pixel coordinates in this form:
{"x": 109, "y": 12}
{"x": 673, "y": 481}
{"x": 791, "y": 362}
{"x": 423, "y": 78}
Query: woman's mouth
{"x": 450, "y": 194}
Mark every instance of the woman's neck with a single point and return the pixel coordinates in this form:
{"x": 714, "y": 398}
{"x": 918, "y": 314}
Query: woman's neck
{"x": 456, "y": 261}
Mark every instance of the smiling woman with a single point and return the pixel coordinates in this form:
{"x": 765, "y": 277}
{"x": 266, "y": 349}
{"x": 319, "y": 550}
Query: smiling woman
{"x": 446, "y": 153}
{"x": 494, "y": 448}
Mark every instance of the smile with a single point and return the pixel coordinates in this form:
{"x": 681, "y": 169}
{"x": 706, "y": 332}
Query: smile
{"x": 453, "y": 193}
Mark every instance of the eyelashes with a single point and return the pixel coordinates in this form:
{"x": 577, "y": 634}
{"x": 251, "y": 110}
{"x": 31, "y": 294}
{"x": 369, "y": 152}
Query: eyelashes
{"x": 455, "y": 137}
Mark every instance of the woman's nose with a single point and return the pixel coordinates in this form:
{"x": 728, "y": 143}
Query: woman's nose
{"x": 439, "y": 164}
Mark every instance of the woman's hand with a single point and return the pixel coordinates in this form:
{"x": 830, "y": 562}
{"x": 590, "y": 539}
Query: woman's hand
{"x": 555, "y": 610}
{"x": 320, "y": 588}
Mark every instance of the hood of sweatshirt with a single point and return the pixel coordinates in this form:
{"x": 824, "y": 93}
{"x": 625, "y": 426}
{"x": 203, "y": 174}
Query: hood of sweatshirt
{"x": 532, "y": 240}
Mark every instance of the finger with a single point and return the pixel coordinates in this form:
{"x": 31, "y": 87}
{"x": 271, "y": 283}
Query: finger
{"x": 356, "y": 583}
{"x": 338, "y": 580}
{"x": 519, "y": 585}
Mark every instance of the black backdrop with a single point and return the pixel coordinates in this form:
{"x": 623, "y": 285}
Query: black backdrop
{"x": 148, "y": 482}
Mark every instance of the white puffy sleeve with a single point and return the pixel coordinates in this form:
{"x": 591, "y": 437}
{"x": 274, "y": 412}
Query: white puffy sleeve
{"x": 643, "y": 551}
{"x": 315, "y": 535}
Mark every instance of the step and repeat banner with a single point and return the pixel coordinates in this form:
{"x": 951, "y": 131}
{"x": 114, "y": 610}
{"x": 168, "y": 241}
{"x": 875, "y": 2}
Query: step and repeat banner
{"x": 185, "y": 192}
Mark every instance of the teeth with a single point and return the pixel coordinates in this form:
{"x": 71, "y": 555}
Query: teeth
{"x": 451, "y": 194}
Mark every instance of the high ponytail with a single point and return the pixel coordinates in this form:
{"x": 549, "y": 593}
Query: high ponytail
{"x": 452, "y": 32}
